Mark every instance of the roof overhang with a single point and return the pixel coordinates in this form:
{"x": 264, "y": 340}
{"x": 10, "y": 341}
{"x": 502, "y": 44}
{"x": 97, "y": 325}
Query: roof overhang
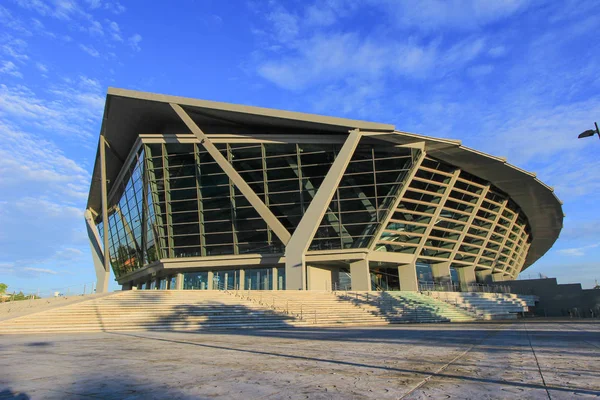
{"x": 128, "y": 114}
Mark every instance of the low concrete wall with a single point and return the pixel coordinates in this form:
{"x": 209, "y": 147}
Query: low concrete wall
{"x": 556, "y": 300}
{"x": 19, "y": 308}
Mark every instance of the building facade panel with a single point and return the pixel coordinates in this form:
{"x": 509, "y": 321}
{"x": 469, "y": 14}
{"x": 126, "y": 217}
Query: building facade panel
{"x": 396, "y": 207}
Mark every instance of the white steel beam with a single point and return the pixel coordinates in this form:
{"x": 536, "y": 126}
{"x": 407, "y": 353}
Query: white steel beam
{"x": 402, "y": 190}
{"x": 295, "y": 250}
{"x": 272, "y": 221}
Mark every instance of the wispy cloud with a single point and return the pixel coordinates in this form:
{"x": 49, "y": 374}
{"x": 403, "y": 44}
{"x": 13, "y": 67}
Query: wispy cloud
{"x": 67, "y": 112}
{"x": 40, "y": 270}
{"x": 134, "y": 41}
{"x": 9, "y": 68}
{"x": 578, "y": 251}
{"x": 90, "y": 50}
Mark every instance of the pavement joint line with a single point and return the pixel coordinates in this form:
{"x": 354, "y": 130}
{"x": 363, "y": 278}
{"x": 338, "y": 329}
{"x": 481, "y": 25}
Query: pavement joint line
{"x": 443, "y": 367}
{"x": 583, "y": 330}
{"x": 537, "y": 362}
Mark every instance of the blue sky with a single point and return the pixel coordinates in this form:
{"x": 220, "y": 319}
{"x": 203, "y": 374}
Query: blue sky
{"x": 518, "y": 79}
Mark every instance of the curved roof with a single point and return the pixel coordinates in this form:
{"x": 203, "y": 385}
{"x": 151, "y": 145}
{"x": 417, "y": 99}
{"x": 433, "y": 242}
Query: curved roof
{"x": 128, "y": 113}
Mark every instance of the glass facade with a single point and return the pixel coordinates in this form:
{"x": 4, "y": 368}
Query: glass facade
{"x": 195, "y": 281}
{"x": 131, "y": 230}
{"x": 174, "y": 201}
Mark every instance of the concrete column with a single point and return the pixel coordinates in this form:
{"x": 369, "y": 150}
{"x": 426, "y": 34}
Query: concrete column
{"x": 484, "y": 276}
{"x": 179, "y": 281}
{"x": 97, "y": 253}
{"x": 102, "y": 285}
{"x": 407, "y": 274}
{"x": 242, "y": 279}
{"x": 359, "y": 275}
{"x": 318, "y": 278}
{"x": 148, "y": 284}
{"x": 209, "y": 284}
{"x": 126, "y": 286}
{"x": 466, "y": 276}
{"x": 441, "y": 272}
{"x": 295, "y": 249}
{"x": 157, "y": 283}
{"x": 274, "y": 277}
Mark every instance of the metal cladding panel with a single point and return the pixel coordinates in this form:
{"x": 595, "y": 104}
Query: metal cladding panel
{"x": 537, "y": 200}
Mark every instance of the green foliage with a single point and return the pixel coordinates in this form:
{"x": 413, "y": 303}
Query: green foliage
{"x": 3, "y": 287}
{"x": 20, "y": 296}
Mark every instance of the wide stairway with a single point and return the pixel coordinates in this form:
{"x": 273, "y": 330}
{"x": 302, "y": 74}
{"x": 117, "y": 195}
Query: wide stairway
{"x": 488, "y": 306}
{"x": 315, "y": 308}
{"x": 151, "y": 310}
{"x": 408, "y": 307}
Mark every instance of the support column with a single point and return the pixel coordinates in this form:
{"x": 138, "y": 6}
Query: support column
{"x": 319, "y": 278}
{"x": 407, "y": 274}
{"x": 498, "y": 277}
{"x": 295, "y": 249}
{"x": 466, "y": 276}
{"x": 157, "y": 283}
{"x": 275, "y": 278}
{"x": 97, "y": 254}
{"x": 360, "y": 276}
{"x": 179, "y": 281}
{"x": 242, "y": 279}
{"x": 484, "y": 276}
{"x": 126, "y": 286}
{"x": 102, "y": 286}
{"x": 209, "y": 284}
{"x": 149, "y": 284}
{"x": 441, "y": 272}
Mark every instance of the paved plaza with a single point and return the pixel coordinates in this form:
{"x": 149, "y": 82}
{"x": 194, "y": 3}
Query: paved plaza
{"x": 533, "y": 360}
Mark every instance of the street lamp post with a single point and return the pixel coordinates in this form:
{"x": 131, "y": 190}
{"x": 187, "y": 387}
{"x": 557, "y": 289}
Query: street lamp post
{"x": 590, "y": 132}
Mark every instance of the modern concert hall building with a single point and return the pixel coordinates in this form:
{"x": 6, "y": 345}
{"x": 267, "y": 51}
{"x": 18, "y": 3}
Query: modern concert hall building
{"x": 193, "y": 194}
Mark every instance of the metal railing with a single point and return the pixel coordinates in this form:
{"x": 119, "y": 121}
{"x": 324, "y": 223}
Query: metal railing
{"x": 458, "y": 287}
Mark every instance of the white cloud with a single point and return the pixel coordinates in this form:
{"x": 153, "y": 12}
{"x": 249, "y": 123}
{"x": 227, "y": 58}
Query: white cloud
{"x": 40, "y": 270}
{"x": 42, "y": 67}
{"x": 69, "y": 112}
{"x": 134, "y": 41}
{"x": 8, "y": 20}
{"x": 93, "y": 4}
{"x": 578, "y": 251}
{"x": 9, "y": 68}
{"x": 15, "y": 48}
{"x": 337, "y": 56}
{"x": 115, "y": 31}
{"x": 90, "y": 50}
{"x": 285, "y": 24}
{"x": 497, "y": 51}
{"x": 449, "y": 14}
{"x": 115, "y": 7}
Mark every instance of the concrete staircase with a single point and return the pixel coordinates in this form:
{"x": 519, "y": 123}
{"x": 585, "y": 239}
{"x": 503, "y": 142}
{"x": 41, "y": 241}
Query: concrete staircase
{"x": 488, "y": 306}
{"x": 151, "y": 310}
{"x": 408, "y": 307}
{"x": 315, "y": 308}
{"x": 189, "y": 310}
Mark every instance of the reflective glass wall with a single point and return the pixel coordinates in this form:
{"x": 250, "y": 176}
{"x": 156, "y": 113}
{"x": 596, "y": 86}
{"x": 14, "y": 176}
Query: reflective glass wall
{"x": 131, "y": 229}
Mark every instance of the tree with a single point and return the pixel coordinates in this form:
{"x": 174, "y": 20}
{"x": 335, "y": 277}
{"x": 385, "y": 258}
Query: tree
{"x": 3, "y": 287}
